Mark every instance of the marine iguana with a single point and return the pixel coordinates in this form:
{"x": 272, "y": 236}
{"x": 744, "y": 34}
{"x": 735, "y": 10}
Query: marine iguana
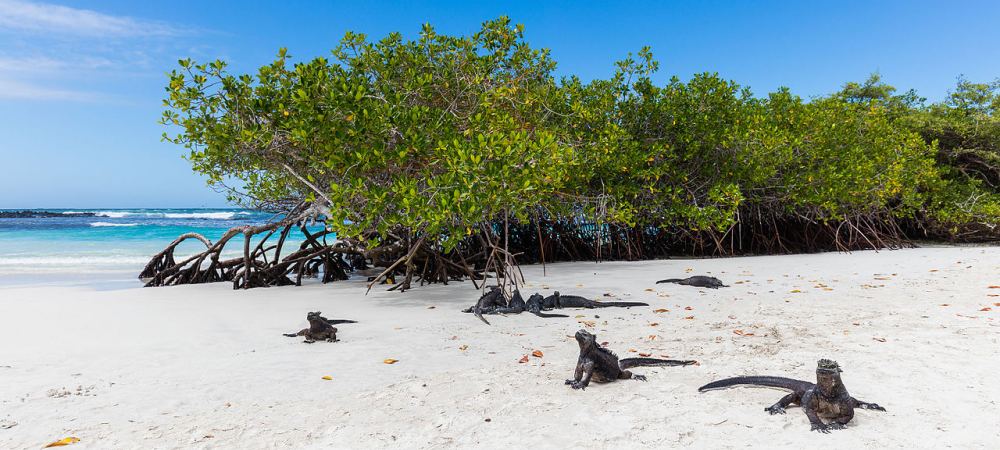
{"x": 492, "y": 303}
{"x": 319, "y": 329}
{"x": 536, "y": 304}
{"x": 599, "y": 364}
{"x": 517, "y": 305}
{"x": 696, "y": 281}
{"x": 575, "y": 301}
{"x": 488, "y": 302}
{"x": 827, "y": 398}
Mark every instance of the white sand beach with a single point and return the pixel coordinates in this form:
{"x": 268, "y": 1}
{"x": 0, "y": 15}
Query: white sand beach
{"x": 207, "y": 367}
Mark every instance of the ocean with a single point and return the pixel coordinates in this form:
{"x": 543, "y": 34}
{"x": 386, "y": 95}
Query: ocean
{"x": 106, "y": 250}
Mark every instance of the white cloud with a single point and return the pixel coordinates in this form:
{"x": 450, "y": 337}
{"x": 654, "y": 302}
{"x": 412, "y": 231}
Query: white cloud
{"x": 17, "y": 90}
{"x": 42, "y": 64}
{"x": 57, "y": 19}
{"x": 47, "y": 49}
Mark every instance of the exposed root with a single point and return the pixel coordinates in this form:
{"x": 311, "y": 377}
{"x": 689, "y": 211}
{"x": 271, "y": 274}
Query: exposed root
{"x": 492, "y": 255}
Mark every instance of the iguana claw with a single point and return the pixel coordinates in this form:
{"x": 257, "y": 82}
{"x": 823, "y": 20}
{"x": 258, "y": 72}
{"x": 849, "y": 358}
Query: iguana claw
{"x": 820, "y": 427}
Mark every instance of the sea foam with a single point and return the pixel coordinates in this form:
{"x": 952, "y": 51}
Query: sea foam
{"x": 216, "y": 215}
{"x": 109, "y": 224}
{"x": 29, "y": 262}
{"x": 211, "y": 215}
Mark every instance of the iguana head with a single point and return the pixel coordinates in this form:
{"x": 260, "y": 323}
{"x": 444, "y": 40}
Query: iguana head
{"x": 828, "y": 365}
{"x": 534, "y": 303}
{"x": 586, "y": 340}
{"x": 313, "y": 315}
{"x": 828, "y": 376}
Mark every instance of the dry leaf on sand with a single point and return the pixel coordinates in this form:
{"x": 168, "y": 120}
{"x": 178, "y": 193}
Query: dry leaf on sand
{"x": 63, "y": 442}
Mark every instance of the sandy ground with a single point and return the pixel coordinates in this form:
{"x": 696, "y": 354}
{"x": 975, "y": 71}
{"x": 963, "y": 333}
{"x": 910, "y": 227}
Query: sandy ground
{"x": 207, "y": 367}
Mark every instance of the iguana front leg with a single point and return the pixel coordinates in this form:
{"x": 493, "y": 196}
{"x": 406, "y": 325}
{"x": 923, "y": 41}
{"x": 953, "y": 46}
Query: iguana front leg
{"x": 810, "y": 409}
{"x": 577, "y": 373}
{"x": 846, "y": 414}
{"x": 779, "y": 408}
{"x": 583, "y": 381}
{"x": 866, "y": 405}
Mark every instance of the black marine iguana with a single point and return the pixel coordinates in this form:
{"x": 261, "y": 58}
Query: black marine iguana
{"x": 827, "y": 398}
{"x": 517, "y": 305}
{"x": 599, "y": 364}
{"x": 575, "y": 301}
{"x": 696, "y": 281}
{"x": 492, "y": 303}
{"x": 536, "y": 304}
{"x": 319, "y": 329}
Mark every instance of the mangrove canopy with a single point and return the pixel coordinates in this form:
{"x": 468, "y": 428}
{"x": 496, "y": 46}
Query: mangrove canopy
{"x": 457, "y": 157}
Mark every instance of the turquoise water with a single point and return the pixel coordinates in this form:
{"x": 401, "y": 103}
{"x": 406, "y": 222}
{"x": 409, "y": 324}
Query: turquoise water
{"x": 109, "y": 249}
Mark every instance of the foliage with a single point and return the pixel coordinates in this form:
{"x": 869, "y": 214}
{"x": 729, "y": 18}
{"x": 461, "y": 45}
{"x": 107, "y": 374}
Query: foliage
{"x": 428, "y": 136}
{"x": 967, "y": 128}
{"x": 443, "y": 138}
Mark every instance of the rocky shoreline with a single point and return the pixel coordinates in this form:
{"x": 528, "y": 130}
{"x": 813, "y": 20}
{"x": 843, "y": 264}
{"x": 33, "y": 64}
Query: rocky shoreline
{"x": 31, "y": 214}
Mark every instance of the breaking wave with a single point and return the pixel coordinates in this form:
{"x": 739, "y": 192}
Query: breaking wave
{"x": 73, "y": 260}
{"x": 215, "y": 215}
{"x": 109, "y": 224}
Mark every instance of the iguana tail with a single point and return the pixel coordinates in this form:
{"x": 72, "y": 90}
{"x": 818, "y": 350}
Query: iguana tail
{"x": 336, "y": 321}
{"x": 670, "y": 280}
{"x": 627, "y": 363}
{"x": 478, "y": 311}
{"x": 547, "y": 316}
{"x": 619, "y": 304}
{"x": 775, "y": 382}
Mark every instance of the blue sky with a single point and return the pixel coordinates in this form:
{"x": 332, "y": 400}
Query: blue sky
{"x": 81, "y": 82}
